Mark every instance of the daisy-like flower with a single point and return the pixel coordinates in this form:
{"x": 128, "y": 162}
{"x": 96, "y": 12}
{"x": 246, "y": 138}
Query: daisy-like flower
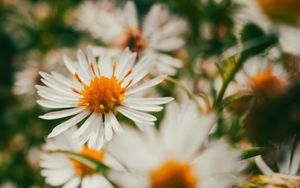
{"x": 119, "y": 27}
{"x": 259, "y": 11}
{"x": 260, "y": 78}
{"x": 288, "y": 167}
{"x": 97, "y": 92}
{"x": 177, "y": 155}
{"x": 60, "y": 170}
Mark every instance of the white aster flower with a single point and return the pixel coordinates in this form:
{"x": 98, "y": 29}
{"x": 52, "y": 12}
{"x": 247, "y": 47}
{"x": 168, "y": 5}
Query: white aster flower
{"x": 60, "y": 170}
{"x": 262, "y": 78}
{"x": 177, "y": 155}
{"x": 259, "y": 77}
{"x": 97, "y": 93}
{"x": 288, "y": 166}
{"x": 252, "y": 12}
{"x": 119, "y": 27}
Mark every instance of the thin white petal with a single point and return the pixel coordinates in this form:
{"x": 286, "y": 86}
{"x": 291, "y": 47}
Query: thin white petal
{"x": 62, "y": 113}
{"x": 146, "y": 85}
{"x": 52, "y": 104}
{"x": 264, "y": 168}
{"x": 136, "y": 115}
{"x": 150, "y": 101}
{"x": 67, "y": 124}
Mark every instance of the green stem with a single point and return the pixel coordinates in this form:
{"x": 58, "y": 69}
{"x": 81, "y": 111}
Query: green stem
{"x": 189, "y": 93}
{"x": 226, "y": 82}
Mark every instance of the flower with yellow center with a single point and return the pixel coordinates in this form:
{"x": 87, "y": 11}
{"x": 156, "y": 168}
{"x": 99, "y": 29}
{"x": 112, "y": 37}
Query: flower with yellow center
{"x": 175, "y": 156}
{"x": 97, "y": 93}
{"x": 60, "y": 170}
{"x": 119, "y": 28}
{"x": 264, "y": 79}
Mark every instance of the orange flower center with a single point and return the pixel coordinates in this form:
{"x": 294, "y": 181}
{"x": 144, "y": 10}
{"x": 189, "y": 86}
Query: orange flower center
{"x": 83, "y": 170}
{"x": 281, "y": 10}
{"x": 134, "y": 40}
{"x": 266, "y": 84}
{"x": 173, "y": 174}
{"x": 102, "y": 94}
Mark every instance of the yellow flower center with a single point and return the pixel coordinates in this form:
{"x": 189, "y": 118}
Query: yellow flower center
{"x": 173, "y": 174}
{"x": 102, "y": 94}
{"x": 83, "y": 170}
{"x": 134, "y": 40}
{"x": 281, "y": 10}
{"x": 266, "y": 84}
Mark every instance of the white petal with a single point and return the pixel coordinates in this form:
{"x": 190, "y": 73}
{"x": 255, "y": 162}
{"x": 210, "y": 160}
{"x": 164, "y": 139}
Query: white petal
{"x": 108, "y": 128}
{"x": 72, "y": 183}
{"x": 62, "y": 113}
{"x": 111, "y": 118}
{"x": 52, "y": 104}
{"x": 69, "y": 64}
{"x": 67, "y": 124}
{"x": 264, "y": 168}
{"x": 145, "y": 108}
{"x": 146, "y": 85}
{"x": 84, "y": 64}
{"x": 149, "y": 101}
{"x": 136, "y": 115}
{"x": 130, "y": 15}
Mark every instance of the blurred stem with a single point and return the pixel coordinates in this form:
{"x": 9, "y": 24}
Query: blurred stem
{"x": 189, "y": 92}
{"x": 228, "y": 79}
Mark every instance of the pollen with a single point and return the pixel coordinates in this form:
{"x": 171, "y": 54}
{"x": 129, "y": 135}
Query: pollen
{"x": 134, "y": 40}
{"x": 83, "y": 170}
{"x": 102, "y": 94}
{"x": 173, "y": 174}
{"x": 266, "y": 84}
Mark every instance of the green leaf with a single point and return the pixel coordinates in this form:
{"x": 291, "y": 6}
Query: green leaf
{"x": 86, "y": 160}
{"x": 255, "y": 41}
{"x": 239, "y": 95}
{"x": 253, "y": 152}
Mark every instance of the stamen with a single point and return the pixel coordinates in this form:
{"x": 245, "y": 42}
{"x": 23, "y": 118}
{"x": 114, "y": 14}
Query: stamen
{"x": 77, "y": 78}
{"x": 126, "y": 75}
{"x": 93, "y": 69}
{"x": 76, "y": 91}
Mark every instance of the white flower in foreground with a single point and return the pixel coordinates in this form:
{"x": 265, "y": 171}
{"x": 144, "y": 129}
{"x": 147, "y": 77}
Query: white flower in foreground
{"x": 252, "y": 12}
{"x": 97, "y": 93}
{"x": 177, "y": 155}
{"x": 119, "y": 27}
{"x": 288, "y": 166}
{"x": 60, "y": 170}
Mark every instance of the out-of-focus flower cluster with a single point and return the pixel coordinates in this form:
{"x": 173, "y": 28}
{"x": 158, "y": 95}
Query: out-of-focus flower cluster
{"x": 150, "y": 94}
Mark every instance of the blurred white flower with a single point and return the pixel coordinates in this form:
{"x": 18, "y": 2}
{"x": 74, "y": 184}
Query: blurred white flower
{"x": 259, "y": 77}
{"x": 98, "y": 92}
{"x": 26, "y": 79}
{"x": 119, "y": 28}
{"x": 251, "y": 12}
{"x": 60, "y": 170}
{"x": 262, "y": 78}
{"x": 288, "y": 167}
{"x": 177, "y": 155}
